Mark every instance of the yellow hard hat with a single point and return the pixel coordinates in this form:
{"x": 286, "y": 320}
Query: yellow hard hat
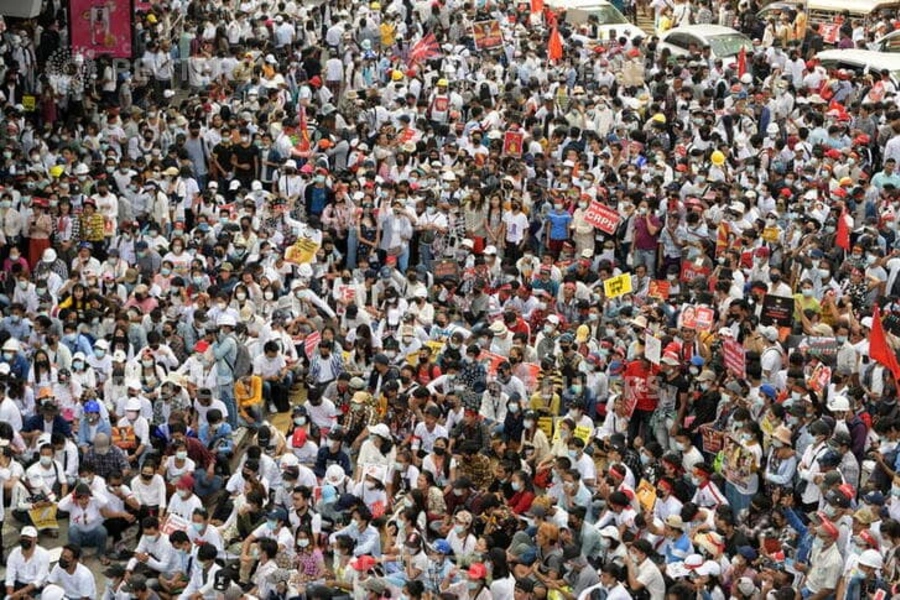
{"x": 397, "y": 75}
{"x": 151, "y": 19}
{"x": 375, "y": 6}
{"x": 56, "y": 170}
{"x": 659, "y": 118}
{"x": 717, "y": 158}
{"x": 443, "y": 83}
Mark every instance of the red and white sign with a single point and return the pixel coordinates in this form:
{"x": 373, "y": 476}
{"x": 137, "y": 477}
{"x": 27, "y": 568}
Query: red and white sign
{"x": 311, "y": 343}
{"x": 602, "y": 217}
{"x": 691, "y": 271}
{"x": 705, "y": 318}
{"x": 734, "y": 358}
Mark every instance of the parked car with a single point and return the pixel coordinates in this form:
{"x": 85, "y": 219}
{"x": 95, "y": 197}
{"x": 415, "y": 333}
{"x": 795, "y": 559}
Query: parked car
{"x": 723, "y": 42}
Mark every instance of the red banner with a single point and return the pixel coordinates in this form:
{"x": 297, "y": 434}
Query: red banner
{"x": 512, "y": 143}
{"x": 602, "y": 217}
{"x": 100, "y": 27}
{"x": 734, "y": 358}
{"x": 830, "y": 32}
{"x": 659, "y": 288}
{"x": 690, "y": 271}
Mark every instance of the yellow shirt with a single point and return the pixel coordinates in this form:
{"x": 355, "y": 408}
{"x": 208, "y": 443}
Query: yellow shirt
{"x": 247, "y": 396}
{"x": 388, "y": 35}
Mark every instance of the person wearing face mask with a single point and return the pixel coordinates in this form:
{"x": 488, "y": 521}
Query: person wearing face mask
{"x": 27, "y": 566}
{"x": 184, "y": 501}
{"x": 73, "y": 577}
{"x": 153, "y": 551}
{"x": 809, "y": 467}
{"x": 203, "y": 574}
{"x": 825, "y": 563}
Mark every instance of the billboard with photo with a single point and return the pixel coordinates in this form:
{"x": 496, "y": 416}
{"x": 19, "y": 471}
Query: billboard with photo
{"x": 99, "y": 27}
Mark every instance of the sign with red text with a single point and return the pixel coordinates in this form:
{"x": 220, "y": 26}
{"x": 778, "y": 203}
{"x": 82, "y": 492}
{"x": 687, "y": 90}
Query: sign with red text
{"x": 602, "y": 217}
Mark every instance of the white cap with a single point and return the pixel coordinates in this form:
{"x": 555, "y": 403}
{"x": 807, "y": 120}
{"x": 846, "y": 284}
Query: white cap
{"x": 552, "y": 319}
{"x": 381, "y": 430}
{"x": 288, "y": 460}
{"x": 839, "y": 403}
{"x": 225, "y": 321}
{"x": 49, "y": 256}
{"x": 871, "y": 558}
{"x": 29, "y": 531}
{"x": 134, "y": 384}
{"x": 234, "y": 185}
{"x": 610, "y": 531}
{"x": 119, "y": 356}
{"x": 334, "y": 475}
{"x": 133, "y": 404}
{"x": 290, "y": 164}
{"x": 491, "y": 250}
{"x": 768, "y": 332}
{"x": 53, "y": 592}
{"x": 256, "y": 186}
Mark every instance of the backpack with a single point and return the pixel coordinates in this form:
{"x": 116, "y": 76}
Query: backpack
{"x": 243, "y": 364}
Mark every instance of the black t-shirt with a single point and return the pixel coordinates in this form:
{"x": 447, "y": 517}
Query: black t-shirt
{"x": 245, "y": 155}
{"x": 222, "y": 153}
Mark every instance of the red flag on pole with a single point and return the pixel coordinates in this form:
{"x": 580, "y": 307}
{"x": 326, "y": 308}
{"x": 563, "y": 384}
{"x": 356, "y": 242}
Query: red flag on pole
{"x": 842, "y": 235}
{"x": 879, "y": 350}
{"x": 554, "y": 45}
{"x": 742, "y": 62}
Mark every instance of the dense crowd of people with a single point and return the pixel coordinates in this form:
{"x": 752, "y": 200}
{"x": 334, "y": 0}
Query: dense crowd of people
{"x": 549, "y": 313}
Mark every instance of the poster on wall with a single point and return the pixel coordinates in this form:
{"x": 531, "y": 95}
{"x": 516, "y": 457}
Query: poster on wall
{"x": 98, "y": 27}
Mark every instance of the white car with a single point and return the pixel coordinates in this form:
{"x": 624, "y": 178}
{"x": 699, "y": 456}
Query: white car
{"x": 609, "y": 20}
{"x": 861, "y": 61}
{"x": 889, "y": 43}
{"x": 723, "y": 42}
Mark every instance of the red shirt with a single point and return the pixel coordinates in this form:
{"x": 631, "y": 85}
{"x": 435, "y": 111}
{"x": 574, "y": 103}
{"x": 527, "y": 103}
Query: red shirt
{"x": 640, "y": 384}
{"x": 520, "y": 502}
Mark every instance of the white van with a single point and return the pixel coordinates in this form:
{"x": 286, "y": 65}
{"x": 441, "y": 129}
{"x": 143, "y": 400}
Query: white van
{"x": 824, "y": 11}
{"x": 608, "y": 16}
{"x": 861, "y": 61}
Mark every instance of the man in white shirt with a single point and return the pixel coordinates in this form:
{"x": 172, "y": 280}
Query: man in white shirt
{"x": 203, "y": 575}
{"x": 202, "y": 534}
{"x": 86, "y": 515}
{"x": 27, "y": 567}
{"x": 73, "y": 577}
{"x": 153, "y": 551}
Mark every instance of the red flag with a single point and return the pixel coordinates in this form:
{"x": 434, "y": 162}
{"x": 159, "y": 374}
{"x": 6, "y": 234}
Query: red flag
{"x": 742, "y": 62}
{"x": 537, "y": 6}
{"x": 425, "y": 49}
{"x": 554, "y": 45}
{"x": 311, "y": 343}
{"x": 879, "y": 350}
{"x": 842, "y": 236}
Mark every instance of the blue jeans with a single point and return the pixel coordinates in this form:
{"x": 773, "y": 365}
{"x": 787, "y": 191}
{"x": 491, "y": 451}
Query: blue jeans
{"x": 94, "y": 537}
{"x": 204, "y": 485}
{"x": 425, "y": 256}
{"x": 226, "y": 395}
{"x": 646, "y": 258}
{"x": 352, "y": 248}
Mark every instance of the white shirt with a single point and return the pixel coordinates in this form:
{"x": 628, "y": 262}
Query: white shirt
{"x": 33, "y": 570}
{"x": 152, "y": 493}
{"x": 77, "y": 585}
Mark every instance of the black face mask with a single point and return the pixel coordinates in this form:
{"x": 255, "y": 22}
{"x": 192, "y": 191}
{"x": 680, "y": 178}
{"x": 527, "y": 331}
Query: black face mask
{"x": 440, "y": 451}
{"x": 64, "y": 563}
{"x": 26, "y": 544}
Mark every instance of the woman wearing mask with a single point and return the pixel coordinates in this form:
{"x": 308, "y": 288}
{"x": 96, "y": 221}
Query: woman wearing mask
{"x": 269, "y": 302}
{"x": 341, "y": 575}
{"x": 560, "y": 445}
{"x": 781, "y": 462}
{"x": 438, "y": 463}
{"x": 523, "y": 493}
{"x": 41, "y": 374}
{"x": 434, "y": 496}
{"x": 367, "y": 232}
{"x": 308, "y": 559}
{"x": 476, "y": 582}
{"x": 740, "y": 491}
{"x": 371, "y": 491}
{"x": 460, "y": 537}
{"x": 149, "y": 489}
{"x": 177, "y": 465}
{"x": 378, "y": 449}
{"x": 403, "y": 475}
{"x": 241, "y": 298}
{"x": 411, "y": 561}
{"x": 533, "y": 436}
